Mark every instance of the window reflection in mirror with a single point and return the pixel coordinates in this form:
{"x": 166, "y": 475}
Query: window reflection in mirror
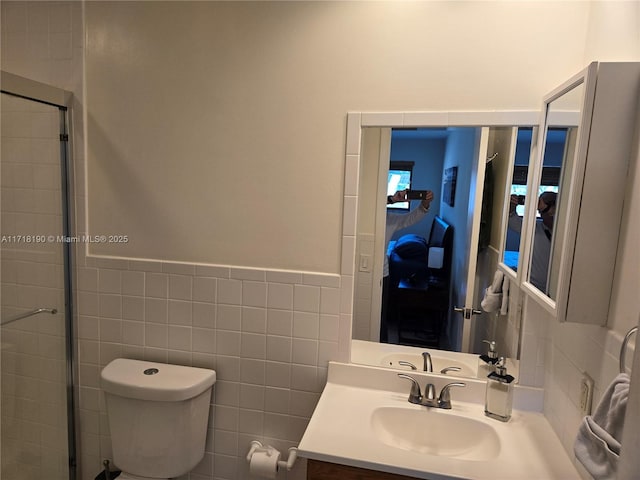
{"x": 554, "y": 176}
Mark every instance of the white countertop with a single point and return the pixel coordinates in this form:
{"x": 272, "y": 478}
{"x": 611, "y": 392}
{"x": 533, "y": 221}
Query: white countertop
{"x": 340, "y": 431}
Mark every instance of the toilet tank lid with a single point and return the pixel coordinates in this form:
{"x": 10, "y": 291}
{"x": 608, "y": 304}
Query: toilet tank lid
{"x": 162, "y": 382}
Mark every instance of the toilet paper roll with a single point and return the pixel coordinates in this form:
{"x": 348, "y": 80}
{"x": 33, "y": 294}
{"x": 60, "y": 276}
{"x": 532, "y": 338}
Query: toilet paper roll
{"x": 264, "y": 463}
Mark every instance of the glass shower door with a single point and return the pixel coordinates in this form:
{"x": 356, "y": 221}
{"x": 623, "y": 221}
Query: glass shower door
{"x": 34, "y": 336}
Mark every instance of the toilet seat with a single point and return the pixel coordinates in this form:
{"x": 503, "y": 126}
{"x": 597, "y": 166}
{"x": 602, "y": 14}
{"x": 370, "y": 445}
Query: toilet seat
{"x": 129, "y": 476}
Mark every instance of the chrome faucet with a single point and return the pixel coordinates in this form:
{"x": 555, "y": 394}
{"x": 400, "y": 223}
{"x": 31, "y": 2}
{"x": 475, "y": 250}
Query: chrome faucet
{"x": 427, "y": 364}
{"x": 429, "y": 399}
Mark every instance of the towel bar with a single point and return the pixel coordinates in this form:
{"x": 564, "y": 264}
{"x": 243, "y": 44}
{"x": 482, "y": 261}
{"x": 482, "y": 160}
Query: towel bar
{"x": 623, "y": 348}
{"x": 53, "y": 311}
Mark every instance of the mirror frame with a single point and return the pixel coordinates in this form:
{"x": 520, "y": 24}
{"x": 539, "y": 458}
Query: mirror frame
{"x": 556, "y": 307}
{"x": 356, "y": 121}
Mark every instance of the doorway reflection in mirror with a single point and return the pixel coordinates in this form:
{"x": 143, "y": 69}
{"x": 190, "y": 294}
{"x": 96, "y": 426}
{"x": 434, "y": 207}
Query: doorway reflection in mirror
{"x": 396, "y": 222}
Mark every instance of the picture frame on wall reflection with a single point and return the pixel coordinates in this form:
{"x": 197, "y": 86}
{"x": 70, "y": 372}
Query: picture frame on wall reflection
{"x": 449, "y": 185}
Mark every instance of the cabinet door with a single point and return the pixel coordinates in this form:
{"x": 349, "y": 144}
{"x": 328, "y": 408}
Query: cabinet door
{"x": 610, "y": 147}
{"x": 600, "y": 128}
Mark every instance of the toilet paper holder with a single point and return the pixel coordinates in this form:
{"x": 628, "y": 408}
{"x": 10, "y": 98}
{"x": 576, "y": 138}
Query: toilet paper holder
{"x": 256, "y": 446}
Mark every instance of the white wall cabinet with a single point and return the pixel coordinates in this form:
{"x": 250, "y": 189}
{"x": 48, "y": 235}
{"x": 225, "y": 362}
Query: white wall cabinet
{"x": 593, "y": 184}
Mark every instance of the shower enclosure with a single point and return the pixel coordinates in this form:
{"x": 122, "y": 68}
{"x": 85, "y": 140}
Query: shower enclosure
{"x": 37, "y": 433}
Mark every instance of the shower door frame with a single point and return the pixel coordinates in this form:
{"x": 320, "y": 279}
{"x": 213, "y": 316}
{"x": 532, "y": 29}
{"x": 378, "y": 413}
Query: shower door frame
{"x": 31, "y": 90}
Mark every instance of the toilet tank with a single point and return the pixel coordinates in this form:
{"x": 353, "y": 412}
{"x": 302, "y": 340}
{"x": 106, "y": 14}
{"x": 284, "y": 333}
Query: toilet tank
{"x": 158, "y": 416}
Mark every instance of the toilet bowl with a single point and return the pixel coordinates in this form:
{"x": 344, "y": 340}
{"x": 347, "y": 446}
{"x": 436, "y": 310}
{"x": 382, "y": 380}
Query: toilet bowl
{"x": 158, "y": 416}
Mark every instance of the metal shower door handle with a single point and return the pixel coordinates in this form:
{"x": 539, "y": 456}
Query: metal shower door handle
{"x": 52, "y": 311}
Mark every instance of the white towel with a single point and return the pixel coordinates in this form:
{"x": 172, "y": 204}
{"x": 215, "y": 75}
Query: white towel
{"x": 597, "y": 444}
{"x": 493, "y": 294}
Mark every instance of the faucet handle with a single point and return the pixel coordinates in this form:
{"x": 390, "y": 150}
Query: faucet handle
{"x": 407, "y": 364}
{"x": 427, "y": 364}
{"x": 415, "y": 395}
{"x": 444, "y": 400}
{"x": 446, "y": 370}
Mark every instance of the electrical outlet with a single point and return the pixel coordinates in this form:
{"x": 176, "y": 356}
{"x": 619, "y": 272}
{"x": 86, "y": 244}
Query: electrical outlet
{"x": 586, "y": 394}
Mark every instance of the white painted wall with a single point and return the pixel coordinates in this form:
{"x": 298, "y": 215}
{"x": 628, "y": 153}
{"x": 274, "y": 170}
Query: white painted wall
{"x": 229, "y": 118}
{"x": 461, "y": 152}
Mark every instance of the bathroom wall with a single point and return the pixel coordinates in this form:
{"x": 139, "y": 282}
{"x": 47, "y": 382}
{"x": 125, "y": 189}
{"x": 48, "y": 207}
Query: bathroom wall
{"x": 268, "y": 334}
{"x": 268, "y": 329}
{"x": 259, "y": 92}
{"x": 364, "y": 291}
{"x": 501, "y": 328}
{"x": 563, "y": 352}
{"x": 556, "y": 355}
{"x": 461, "y": 152}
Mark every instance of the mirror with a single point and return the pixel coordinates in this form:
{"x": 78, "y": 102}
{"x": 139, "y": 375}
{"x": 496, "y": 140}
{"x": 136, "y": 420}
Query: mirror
{"x": 515, "y": 202}
{"x": 444, "y": 160}
{"x": 547, "y": 209}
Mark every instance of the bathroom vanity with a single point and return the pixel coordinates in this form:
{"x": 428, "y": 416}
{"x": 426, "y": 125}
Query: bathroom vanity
{"x": 364, "y": 427}
{"x": 364, "y": 423}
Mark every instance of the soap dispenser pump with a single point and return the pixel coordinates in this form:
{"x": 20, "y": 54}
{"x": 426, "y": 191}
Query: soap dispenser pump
{"x": 487, "y": 361}
{"x": 499, "y": 396}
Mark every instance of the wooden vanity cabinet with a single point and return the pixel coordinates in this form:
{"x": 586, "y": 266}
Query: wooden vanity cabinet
{"x": 318, "y": 470}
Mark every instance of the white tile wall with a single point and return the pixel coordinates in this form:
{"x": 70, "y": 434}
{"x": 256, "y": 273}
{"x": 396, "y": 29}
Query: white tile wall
{"x": 43, "y": 41}
{"x": 564, "y": 352}
{"x": 269, "y": 342}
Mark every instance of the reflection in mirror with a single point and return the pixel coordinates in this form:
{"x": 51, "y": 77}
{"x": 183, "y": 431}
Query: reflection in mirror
{"x": 558, "y": 152}
{"x": 429, "y": 261}
{"x": 401, "y": 357}
{"x": 517, "y": 196}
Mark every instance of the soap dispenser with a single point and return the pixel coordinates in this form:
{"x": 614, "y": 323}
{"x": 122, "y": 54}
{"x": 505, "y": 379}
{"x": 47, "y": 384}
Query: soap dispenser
{"x": 487, "y": 361}
{"x": 499, "y": 396}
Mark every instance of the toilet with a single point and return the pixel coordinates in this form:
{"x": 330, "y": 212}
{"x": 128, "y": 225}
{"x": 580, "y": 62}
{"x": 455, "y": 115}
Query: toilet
{"x": 158, "y": 416}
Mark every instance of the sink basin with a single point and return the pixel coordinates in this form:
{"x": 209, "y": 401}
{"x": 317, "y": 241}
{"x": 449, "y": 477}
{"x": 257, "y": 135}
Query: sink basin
{"x": 439, "y": 363}
{"x": 434, "y": 432}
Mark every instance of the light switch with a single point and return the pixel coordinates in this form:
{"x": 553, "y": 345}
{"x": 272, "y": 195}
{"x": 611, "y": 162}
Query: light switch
{"x": 365, "y": 263}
